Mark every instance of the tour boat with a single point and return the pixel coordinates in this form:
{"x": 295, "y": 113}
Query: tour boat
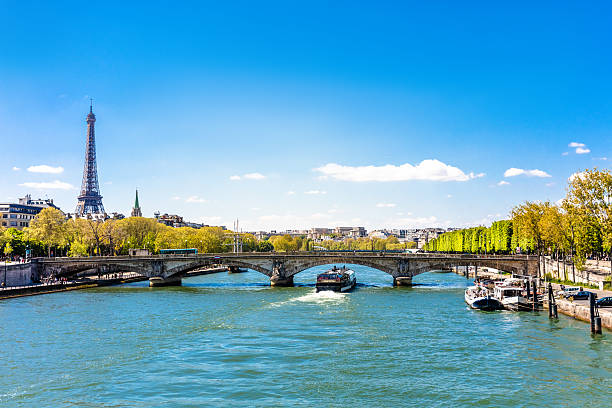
{"x": 236, "y": 269}
{"x": 512, "y": 298}
{"x": 336, "y": 279}
{"x": 478, "y": 297}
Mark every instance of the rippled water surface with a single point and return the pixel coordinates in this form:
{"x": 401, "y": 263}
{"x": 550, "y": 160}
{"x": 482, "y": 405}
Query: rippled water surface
{"x": 231, "y": 340}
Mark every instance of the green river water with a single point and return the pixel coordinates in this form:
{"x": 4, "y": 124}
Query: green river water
{"x": 231, "y": 340}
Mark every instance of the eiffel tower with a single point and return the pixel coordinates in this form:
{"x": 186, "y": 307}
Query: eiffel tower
{"x": 90, "y": 200}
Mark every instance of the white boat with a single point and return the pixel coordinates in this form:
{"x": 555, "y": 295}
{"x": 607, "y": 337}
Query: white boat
{"x": 512, "y": 298}
{"x": 336, "y": 279}
{"x": 478, "y": 297}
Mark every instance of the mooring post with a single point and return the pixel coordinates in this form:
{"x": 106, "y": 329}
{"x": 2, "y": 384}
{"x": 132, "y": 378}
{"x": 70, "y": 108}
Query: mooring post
{"x": 592, "y": 311}
{"x": 528, "y": 288}
{"x": 552, "y": 303}
{"x": 475, "y": 271}
{"x": 535, "y": 295}
{"x": 594, "y": 314}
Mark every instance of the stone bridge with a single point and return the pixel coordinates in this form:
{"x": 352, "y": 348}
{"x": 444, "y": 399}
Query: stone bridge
{"x": 280, "y": 267}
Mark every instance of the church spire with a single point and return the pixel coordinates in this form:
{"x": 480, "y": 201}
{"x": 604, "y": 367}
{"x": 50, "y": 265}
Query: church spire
{"x": 136, "y": 211}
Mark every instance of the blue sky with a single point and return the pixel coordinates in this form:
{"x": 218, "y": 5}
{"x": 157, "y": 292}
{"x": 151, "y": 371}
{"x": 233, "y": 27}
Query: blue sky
{"x": 375, "y": 114}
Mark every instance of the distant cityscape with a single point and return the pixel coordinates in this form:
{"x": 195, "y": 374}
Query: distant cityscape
{"x": 89, "y": 205}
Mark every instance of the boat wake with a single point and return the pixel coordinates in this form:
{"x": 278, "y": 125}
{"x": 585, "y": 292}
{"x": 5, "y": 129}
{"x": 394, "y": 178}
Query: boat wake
{"x": 323, "y": 297}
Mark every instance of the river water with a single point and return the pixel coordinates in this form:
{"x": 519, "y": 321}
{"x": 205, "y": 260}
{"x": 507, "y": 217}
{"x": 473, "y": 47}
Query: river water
{"x": 231, "y": 340}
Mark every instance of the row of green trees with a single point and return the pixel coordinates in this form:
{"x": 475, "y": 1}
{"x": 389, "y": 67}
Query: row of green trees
{"x": 578, "y": 227}
{"x": 495, "y": 239}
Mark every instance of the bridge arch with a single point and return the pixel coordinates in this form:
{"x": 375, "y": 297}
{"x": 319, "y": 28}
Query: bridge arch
{"x": 480, "y": 263}
{"x": 183, "y": 269}
{"x": 78, "y": 268}
{"x": 311, "y": 263}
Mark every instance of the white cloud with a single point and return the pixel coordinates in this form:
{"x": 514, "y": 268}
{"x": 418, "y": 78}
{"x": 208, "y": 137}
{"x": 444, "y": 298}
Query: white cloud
{"x": 176, "y": 198}
{"x": 431, "y": 169}
{"x": 195, "y": 199}
{"x": 575, "y": 175}
{"x": 601, "y": 158}
{"x": 290, "y": 192}
{"x": 209, "y": 220}
{"x": 55, "y": 185}
{"x": 16, "y": 168}
{"x": 315, "y": 192}
{"x": 292, "y": 221}
{"x": 43, "y": 168}
{"x": 254, "y": 176}
{"x": 512, "y": 172}
{"x": 449, "y": 196}
{"x": 564, "y": 153}
{"x": 248, "y": 176}
{"x": 386, "y": 205}
{"x": 503, "y": 183}
{"x": 580, "y": 148}
{"x": 550, "y": 184}
{"x": 418, "y": 221}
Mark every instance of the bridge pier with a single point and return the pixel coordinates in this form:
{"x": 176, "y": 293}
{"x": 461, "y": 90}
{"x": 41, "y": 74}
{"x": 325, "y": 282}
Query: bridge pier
{"x": 157, "y": 281}
{"x": 402, "y": 281}
{"x": 281, "y": 281}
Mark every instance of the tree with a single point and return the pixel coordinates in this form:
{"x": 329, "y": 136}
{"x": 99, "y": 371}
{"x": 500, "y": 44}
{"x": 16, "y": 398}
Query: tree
{"x": 526, "y": 217}
{"x": 77, "y": 234}
{"x": 551, "y": 225}
{"x": 285, "y": 243}
{"x": 111, "y": 236}
{"x": 138, "y": 232}
{"x": 590, "y": 195}
{"x": 8, "y": 249}
{"x": 49, "y": 227}
{"x": 264, "y": 246}
{"x": 211, "y": 240}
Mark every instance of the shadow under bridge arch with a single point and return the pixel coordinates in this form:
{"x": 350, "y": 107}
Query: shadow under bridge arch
{"x": 263, "y": 266}
{"x": 294, "y": 267}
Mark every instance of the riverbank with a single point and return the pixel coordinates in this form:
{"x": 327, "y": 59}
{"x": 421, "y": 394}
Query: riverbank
{"x": 44, "y": 288}
{"x": 580, "y": 310}
{"x": 105, "y": 280}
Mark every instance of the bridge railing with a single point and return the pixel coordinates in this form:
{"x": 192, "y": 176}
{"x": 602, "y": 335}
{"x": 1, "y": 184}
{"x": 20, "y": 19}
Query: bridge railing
{"x": 226, "y": 255}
